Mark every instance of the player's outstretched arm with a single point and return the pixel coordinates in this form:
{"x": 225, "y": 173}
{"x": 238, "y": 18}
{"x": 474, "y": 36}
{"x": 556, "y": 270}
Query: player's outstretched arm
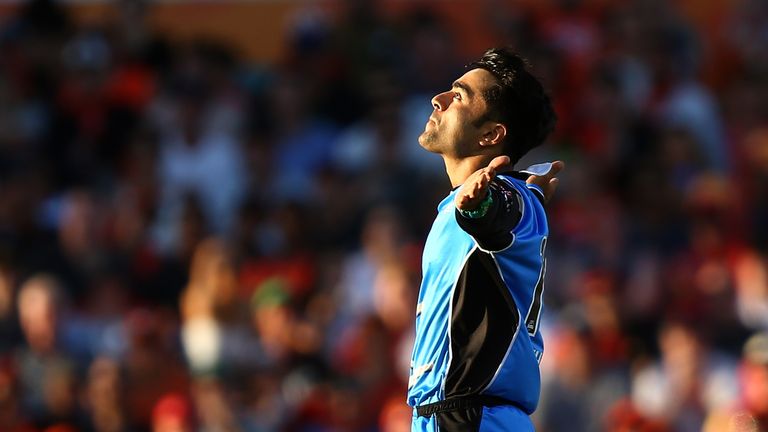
{"x": 475, "y": 189}
{"x": 488, "y": 210}
{"x": 547, "y": 182}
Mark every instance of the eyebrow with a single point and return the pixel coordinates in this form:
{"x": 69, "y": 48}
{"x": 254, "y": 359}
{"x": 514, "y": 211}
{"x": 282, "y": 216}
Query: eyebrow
{"x": 463, "y": 86}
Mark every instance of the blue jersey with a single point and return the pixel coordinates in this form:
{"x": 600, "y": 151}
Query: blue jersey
{"x": 480, "y": 300}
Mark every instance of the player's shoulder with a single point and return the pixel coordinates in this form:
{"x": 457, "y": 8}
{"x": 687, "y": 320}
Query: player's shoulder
{"x": 514, "y": 182}
{"x": 507, "y": 185}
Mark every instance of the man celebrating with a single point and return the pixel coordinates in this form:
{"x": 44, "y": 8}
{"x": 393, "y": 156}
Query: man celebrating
{"x": 475, "y": 362}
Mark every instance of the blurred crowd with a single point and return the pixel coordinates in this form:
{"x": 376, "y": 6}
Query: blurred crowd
{"x": 190, "y": 241}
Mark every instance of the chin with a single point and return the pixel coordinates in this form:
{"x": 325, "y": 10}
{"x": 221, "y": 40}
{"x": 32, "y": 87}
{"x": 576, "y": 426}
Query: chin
{"x": 428, "y": 141}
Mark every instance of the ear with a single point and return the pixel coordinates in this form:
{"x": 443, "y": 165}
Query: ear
{"x": 494, "y": 135}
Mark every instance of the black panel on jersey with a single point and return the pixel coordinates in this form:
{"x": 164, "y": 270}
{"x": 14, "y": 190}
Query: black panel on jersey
{"x": 484, "y": 319}
{"x": 460, "y": 420}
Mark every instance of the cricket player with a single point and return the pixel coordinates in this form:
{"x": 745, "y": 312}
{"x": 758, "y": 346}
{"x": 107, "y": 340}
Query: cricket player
{"x": 475, "y": 362}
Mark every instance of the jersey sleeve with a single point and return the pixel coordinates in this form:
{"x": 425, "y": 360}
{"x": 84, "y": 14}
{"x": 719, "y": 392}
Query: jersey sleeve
{"x": 493, "y": 231}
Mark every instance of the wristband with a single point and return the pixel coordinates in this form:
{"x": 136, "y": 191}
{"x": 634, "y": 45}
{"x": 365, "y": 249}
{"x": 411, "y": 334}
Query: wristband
{"x": 481, "y": 210}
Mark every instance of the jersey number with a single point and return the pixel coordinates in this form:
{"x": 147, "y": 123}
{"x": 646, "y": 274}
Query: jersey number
{"x": 534, "y": 313}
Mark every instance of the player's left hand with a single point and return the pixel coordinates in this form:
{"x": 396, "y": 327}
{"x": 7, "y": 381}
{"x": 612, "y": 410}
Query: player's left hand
{"x": 547, "y": 182}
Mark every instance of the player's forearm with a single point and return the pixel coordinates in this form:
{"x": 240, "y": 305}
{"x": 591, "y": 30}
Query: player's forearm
{"x": 491, "y": 222}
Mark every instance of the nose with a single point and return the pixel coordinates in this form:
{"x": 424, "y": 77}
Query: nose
{"x": 441, "y": 101}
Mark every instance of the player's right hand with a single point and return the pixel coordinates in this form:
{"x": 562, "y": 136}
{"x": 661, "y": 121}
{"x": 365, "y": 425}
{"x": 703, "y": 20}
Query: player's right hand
{"x": 475, "y": 188}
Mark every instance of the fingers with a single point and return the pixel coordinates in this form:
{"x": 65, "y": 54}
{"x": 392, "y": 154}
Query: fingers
{"x": 476, "y": 186}
{"x": 462, "y": 201}
{"x": 557, "y": 166}
{"x": 498, "y": 162}
{"x": 479, "y": 185}
{"x": 469, "y": 199}
{"x": 553, "y": 186}
{"x": 474, "y": 189}
{"x": 548, "y": 182}
{"x": 549, "y": 191}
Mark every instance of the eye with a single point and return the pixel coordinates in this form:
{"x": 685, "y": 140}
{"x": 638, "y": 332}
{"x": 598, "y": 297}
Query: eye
{"x": 456, "y": 96}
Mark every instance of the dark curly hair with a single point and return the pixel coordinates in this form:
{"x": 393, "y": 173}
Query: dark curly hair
{"x": 518, "y": 101}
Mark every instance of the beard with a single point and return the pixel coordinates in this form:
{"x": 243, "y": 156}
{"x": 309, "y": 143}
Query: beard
{"x": 428, "y": 139}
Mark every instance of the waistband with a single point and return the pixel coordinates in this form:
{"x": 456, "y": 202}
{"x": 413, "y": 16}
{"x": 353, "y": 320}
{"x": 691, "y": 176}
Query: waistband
{"x": 463, "y": 402}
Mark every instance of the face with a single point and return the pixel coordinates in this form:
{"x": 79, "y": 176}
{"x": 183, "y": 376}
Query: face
{"x": 452, "y": 129}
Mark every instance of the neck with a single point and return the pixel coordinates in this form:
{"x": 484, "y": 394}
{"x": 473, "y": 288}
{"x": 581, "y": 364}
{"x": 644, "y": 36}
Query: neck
{"x": 460, "y": 169}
